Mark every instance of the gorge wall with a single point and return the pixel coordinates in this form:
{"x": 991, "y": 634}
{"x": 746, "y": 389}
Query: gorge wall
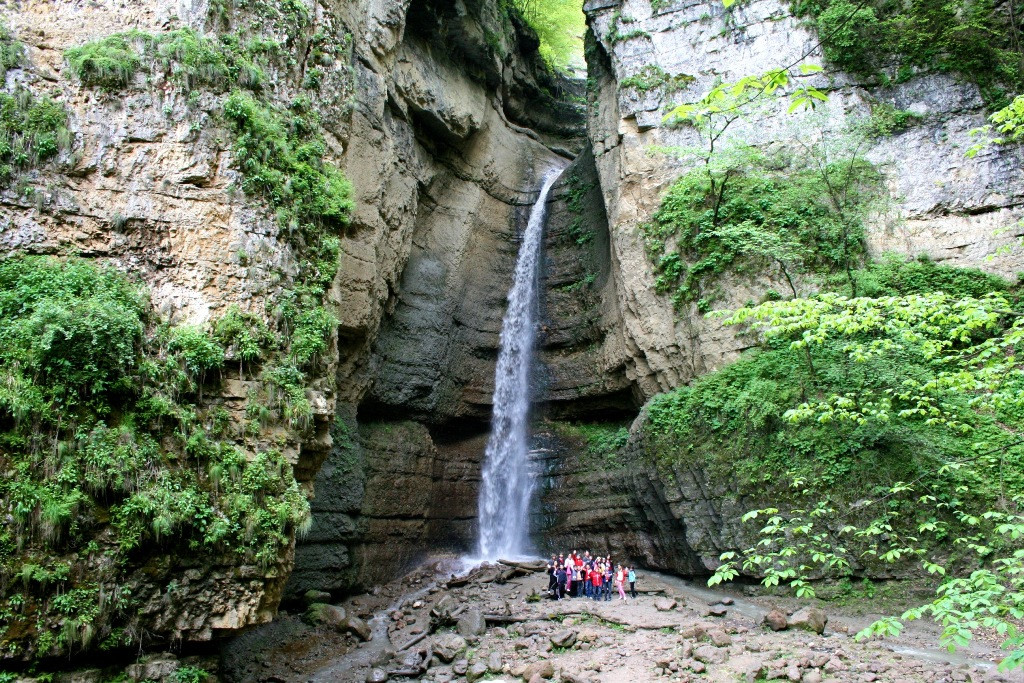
{"x": 443, "y": 117}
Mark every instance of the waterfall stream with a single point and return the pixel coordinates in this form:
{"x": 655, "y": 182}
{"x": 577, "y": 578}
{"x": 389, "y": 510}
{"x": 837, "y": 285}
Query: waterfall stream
{"x": 506, "y": 480}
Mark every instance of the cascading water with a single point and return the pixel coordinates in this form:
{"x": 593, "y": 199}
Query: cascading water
{"x": 507, "y": 482}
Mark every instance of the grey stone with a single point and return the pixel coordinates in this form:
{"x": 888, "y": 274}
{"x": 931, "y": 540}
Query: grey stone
{"x": 776, "y": 620}
{"x": 809, "y": 619}
{"x": 472, "y": 623}
{"x": 447, "y": 646}
{"x": 565, "y": 638}
{"x": 710, "y": 654}
{"x": 665, "y": 604}
{"x": 475, "y": 672}
{"x": 377, "y": 676}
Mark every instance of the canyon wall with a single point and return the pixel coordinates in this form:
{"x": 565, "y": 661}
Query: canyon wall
{"x": 443, "y": 117}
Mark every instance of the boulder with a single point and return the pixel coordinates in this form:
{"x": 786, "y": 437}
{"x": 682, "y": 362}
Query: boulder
{"x": 565, "y": 638}
{"x": 809, "y": 619}
{"x": 665, "y": 604}
{"x": 542, "y": 669}
{"x": 312, "y": 597}
{"x": 494, "y": 663}
{"x": 475, "y": 672}
{"x": 776, "y": 620}
{"x": 357, "y": 627}
{"x": 460, "y": 667}
{"x": 719, "y": 638}
{"x": 377, "y": 676}
{"x": 471, "y": 623}
{"x": 448, "y": 646}
{"x": 710, "y": 654}
{"x": 322, "y": 614}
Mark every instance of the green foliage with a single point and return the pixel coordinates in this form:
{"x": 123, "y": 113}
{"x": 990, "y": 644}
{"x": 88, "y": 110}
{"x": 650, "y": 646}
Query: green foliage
{"x": 653, "y": 76}
{"x": 32, "y": 130}
{"x": 603, "y": 440}
{"x": 69, "y": 334}
{"x": 109, "y": 63}
{"x": 12, "y": 52}
{"x": 281, "y": 155}
{"x": 100, "y": 438}
{"x": 971, "y": 38}
{"x": 195, "y": 61}
{"x": 894, "y": 275}
{"x": 913, "y": 398}
{"x": 199, "y": 352}
{"x": 559, "y": 25}
{"x": 244, "y": 336}
{"x": 1007, "y": 125}
{"x": 190, "y": 674}
{"x": 738, "y": 214}
{"x": 616, "y": 34}
{"x": 887, "y": 120}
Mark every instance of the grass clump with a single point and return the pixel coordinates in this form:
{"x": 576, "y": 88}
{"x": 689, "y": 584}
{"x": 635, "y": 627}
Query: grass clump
{"x": 887, "y": 120}
{"x": 653, "y": 76}
{"x": 33, "y": 130}
{"x": 109, "y": 63}
{"x": 12, "y": 52}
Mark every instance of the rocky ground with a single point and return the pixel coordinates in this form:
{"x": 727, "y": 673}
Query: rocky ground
{"x": 486, "y": 626}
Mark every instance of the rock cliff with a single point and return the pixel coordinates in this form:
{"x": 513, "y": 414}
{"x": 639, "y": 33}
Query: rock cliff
{"x": 442, "y": 116}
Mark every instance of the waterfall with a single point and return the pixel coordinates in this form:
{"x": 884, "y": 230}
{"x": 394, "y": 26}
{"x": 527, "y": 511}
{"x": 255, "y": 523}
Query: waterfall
{"x": 507, "y": 482}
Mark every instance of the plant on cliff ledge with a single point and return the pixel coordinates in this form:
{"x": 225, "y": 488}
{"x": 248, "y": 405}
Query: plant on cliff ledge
{"x": 32, "y": 130}
{"x": 974, "y": 39}
{"x": 104, "y": 441}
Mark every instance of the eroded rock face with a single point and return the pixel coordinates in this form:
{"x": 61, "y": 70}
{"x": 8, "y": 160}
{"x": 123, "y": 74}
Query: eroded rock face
{"x": 438, "y": 114}
{"x": 942, "y": 203}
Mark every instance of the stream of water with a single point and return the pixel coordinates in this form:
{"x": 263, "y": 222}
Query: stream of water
{"x": 507, "y": 482}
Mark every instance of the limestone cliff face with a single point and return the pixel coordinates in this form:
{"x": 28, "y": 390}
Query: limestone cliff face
{"x": 440, "y": 114}
{"x": 943, "y": 204}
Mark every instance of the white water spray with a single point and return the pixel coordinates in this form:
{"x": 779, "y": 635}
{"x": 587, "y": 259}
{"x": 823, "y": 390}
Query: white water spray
{"x": 507, "y": 483}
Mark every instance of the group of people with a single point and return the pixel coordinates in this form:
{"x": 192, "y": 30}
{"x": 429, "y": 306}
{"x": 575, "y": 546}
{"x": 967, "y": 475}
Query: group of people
{"x": 584, "y": 576}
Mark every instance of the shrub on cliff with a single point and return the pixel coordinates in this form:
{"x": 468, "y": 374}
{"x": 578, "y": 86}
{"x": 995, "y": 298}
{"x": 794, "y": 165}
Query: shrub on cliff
{"x": 110, "y": 457}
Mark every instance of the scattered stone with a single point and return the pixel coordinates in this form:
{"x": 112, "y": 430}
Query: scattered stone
{"x": 460, "y": 667}
{"x": 448, "y": 646}
{"x": 476, "y": 672}
{"x": 564, "y": 638}
{"x": 357, "y": 627}
{"x": 494, "y": 664}
{"x": 776, "y": 620}
{"x": 809, "y": 619}
{"x": 377, "y": 676}
{"x": 793, "y": 673}
{"x": 719, "y": 638}
{"x": 665, "y": 604}
{"x": 697, "y": 666}
{"x": 812, "y": 676}
{"x": 717, "y": 610}
{"x": 471, "y": 623}
{"x": 727, "y": 600}
{"x": 542, "y": 669}
{"x": 710, "y": 654}
{"x": 153, "y": 667}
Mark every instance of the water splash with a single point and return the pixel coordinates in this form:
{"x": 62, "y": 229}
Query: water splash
{"x": 507, "y": 482}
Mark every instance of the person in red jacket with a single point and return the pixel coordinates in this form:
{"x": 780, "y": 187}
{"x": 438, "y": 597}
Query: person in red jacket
{"x": 595, "y": 583}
